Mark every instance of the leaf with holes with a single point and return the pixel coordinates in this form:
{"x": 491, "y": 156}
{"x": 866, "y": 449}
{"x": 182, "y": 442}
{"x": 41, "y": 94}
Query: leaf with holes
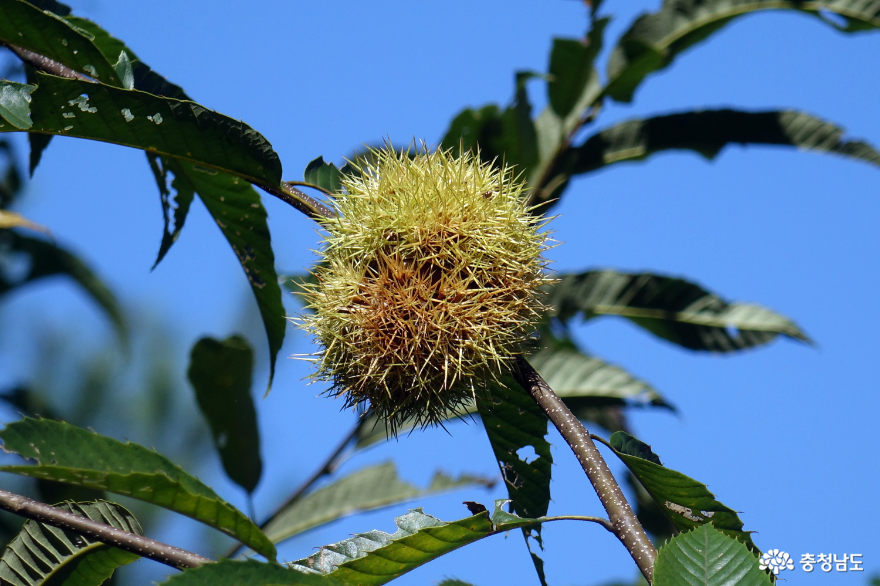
{"x": 42, "y": 555}
{"x": 15, "y": 109}
{"x": 707, "y": 557}
{"x": 515, "y": 423}
{"x": 220, "y": 373}
{"x": 674, "y": 309}
{"x": 47, "y": 260}
{"x": 655, "y": 39}
{"x": 69, "y": 454}
{"x": 367, "y": 489}
{"x": 686, "y": 502}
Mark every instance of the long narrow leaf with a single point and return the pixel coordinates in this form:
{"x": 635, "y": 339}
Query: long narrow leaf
{"x": 42, "y": 555}
{"x": 655, "y": 40}
{"x": 674, "y": 309}
{"x": 367, "y": 489}
{"x": 65, "y": 453}
{"x": 246, "y": 573}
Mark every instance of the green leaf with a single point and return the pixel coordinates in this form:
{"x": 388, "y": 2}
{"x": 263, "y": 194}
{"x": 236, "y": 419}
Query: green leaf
{"x": 182, "y": 200}
{"x": 453, "y": 582}
{"x": 42, "y": 555}
{"x": 707, "y": 557}
{"x": 686, "y": 502}
{"x": 375, "y": 558}
{"x": 572, "y": 76}
{"x": 48, "y": 259}
{"x": 324, "y": 175}
{"x": 586, "y": 381}
{"x": 674, "y": 309}
{"x": 10, "y": 178}
{"x": 238, "y": 210}
{"x": 220, "y": 372}
{"x": 367, "y": 489}
{"x": 66, "y": 453}
{"x": 246, "y": 573}
{"x": 15, "y": 100}
{"x": 176, "y": 128}
{"x": 656, "y": 39}
{"x": 707, "y": 132}
{"x": 52, "y": 6}
{"x": 27, "y": 26}
{"x": 515, "y": 425}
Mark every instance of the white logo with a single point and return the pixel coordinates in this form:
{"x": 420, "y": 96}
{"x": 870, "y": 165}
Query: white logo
{"x": 777, "y": 561}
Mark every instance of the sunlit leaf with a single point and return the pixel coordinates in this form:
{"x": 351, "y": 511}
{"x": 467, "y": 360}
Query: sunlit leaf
{"x": 246, "y": 573}
{"x": 220, "y": 372}
{"x": 654, "y": 40}
{"x": 42, "y": 555}
{"x": 27, "y": 26}
{"x": 65, "y": 453}
{"x": 686, "y": 502}
{"x": 365, "y": 490}
{"x": 46, "y": 259}
{"x": 674, "y": 309}
{"x": 707, "y": 557}
{"x": 516, "y": 427}
{"x": 13, "y": 220}
{"x": 15, "y": 100}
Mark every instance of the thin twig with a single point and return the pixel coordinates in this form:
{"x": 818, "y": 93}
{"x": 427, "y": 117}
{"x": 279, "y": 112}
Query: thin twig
{"x": 137, "y": 544}
{"x": 304, "y": 203}
{"x": 603, "y": 522}
{"x": 625, "y": 524}
{"x": 328, "y": 467}
{"x": 46, "y": 64}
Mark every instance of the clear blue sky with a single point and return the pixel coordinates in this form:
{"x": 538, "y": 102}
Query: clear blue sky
{"x": 784, "y": 433}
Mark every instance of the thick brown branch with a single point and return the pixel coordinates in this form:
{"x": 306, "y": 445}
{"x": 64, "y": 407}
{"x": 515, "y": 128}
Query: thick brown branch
{"x": 624, "y": 523}
{"x": 137, "y": 544}
{"x": 43, "y": 63}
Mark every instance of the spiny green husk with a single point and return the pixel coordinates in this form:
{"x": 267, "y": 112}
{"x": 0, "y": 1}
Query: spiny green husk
{"x": 428, "y": 284}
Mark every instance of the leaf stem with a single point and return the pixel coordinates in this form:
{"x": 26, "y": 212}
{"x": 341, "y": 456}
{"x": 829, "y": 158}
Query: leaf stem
{"x": 625, "y": 524}
{"x": 137, "y": 544}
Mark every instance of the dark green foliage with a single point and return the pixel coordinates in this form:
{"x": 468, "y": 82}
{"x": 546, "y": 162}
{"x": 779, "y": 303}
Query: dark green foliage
{"x": 220, "y": 373}
{"x": 324, "y": 175}
{"x": 65, "y": 453}
{"x": 707, "y": 557}
{"x": 42, "y": 555}
{"x": 246, "y": 573}
{"x": 15, "y": 99}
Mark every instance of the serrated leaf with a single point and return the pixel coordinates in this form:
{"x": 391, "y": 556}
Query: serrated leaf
{"x": 27, "y": 26}
{"x": 48, "y": 259}
{"x": 674, "y": 309}
{"x": 42, "y": 555}
{"x": 376, "y": 557}
{"x": 180, "y": 201}
{"x": 165, "y": 126}
{"x": 707, "y": 557}
{"x": 686, "y": 502}
{"x": 324, "y": 175}
{"x": 238, "y": 210}
{"x": 367, "y": 489}
{"x": 66, "y": 453}
{"x": 654, "y": 40}
{"x": 15, "y": 104}
{"x": 586, "y": 381}
{"x": 246, "y": 573}
{"x": 220, "y": 373}
{"x": 514, "y": 424}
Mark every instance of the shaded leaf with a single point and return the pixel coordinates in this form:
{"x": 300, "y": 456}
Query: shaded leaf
{"x": 27, "y": 26}
{"x": 707, "y": 557}
{"x": 69, "y": 454}
{"x": 181, "y": 201}
{"x": 38, "y": 143}
{"x": 15, "y": 101}
{"x": 365, "y": 490}
{"x": 238, "y": 210}
{"x": 42, "y": 555}
{"x": 376, "y": 557}
{"x": 453, "y": 582}
{"x": 246, "y": 573}
{"x": 674, "y": 309}
{"x": 52, "y": 6}
{"x": 47, "y": 259}
{"x": 220, "y": 372}
{"x": 686, "y": 502}
{"x": 324, "y": 175}
{"x": 516, "y": 425}
{"x": 165, "y": 126}
{"x": 654, "y": 40}
{"x": 573, "y": 83}
{"x": 10, "y": 178}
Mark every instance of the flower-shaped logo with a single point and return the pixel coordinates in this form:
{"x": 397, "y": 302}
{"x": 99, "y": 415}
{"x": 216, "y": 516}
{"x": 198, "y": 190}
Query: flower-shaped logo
{"x": 777, "y": 561}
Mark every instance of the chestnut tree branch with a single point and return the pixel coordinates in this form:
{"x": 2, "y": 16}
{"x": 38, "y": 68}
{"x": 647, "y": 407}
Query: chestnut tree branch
{"x": 624, "y": 523}
{"x": 137, "y": 544}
